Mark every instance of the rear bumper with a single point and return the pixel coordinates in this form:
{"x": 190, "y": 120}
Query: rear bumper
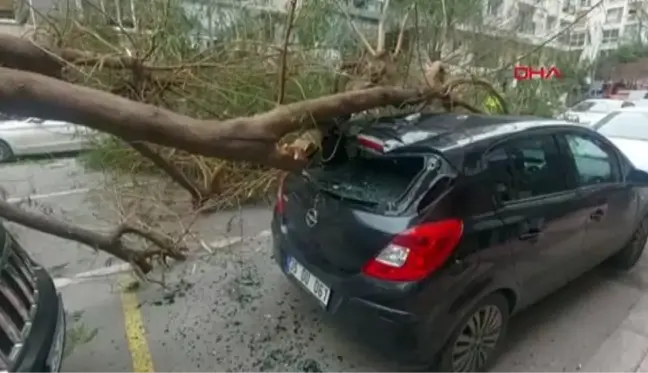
{"x": 43, "y": 348}
{"x": 388, "y": 329}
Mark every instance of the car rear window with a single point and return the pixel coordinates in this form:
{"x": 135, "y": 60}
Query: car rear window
{"x": 583, "y": 106}
{"x": 369, "y": 178}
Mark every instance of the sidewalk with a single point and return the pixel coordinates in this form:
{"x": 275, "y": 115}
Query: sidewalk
{"x": 626, "y": 350}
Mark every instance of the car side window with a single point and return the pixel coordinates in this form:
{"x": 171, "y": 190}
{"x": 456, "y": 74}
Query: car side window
{"x": 525, "y": 168}
{"x": 594, "y": 164}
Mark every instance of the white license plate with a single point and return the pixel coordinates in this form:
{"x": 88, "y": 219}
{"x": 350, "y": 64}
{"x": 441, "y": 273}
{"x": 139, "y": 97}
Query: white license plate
{"x": 310, "y": 282}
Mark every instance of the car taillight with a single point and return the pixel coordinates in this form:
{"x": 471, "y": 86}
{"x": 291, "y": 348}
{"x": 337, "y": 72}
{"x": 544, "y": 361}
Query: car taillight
{"x": 417, "y": 252}
{"x": 281, "y": 198}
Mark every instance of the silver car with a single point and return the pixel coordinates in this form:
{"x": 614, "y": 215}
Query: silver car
{"x": 589, "y": 111}
{"x": 34, "y": 136}
{"x": 628, "y": 130}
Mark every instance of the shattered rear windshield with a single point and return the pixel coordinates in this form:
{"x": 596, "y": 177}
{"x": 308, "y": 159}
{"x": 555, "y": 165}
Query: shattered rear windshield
{"x": 369, "y": 178}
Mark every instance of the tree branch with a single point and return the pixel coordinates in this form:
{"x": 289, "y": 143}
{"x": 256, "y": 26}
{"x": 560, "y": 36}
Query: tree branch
{"x": 251, "y": 139}
{"x": 198, "y": 195}
{"x": 110, "y": 243}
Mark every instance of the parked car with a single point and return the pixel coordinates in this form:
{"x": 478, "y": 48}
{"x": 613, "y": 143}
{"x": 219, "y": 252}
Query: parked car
{"x": 425, "y": 235}
{"x": 628, "y": 130}
{"x": 633, "y": 94}
{"x": 32, "y": 319}
{"x": 34, "y": 136}
{"x": 591, "y": 110}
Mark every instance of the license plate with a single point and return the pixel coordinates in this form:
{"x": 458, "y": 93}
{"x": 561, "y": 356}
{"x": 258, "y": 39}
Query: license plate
{"x": 56, "y": 352}
{"x": 314, "y": 285}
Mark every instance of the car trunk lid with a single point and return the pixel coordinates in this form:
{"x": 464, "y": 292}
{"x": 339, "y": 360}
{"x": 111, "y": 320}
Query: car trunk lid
{"x": 343, "y": 215}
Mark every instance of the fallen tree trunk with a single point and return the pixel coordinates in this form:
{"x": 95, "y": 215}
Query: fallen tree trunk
{"x": 251, "y": 139}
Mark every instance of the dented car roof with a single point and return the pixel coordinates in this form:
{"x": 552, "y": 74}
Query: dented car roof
{"x": 441, "y": 132}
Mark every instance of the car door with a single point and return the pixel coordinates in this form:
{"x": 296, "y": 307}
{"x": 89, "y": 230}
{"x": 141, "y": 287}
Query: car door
{"x": 64, "y": 135}
{"x": 27, "y": 136}
{"x": 537, "y": 209}
{"x": 607, "y": 202}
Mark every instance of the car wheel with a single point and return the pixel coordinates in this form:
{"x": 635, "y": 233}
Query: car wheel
{"x": 6, "y": 154}
{"x": 629, "y": 255}
{"x": 476, "y": 342}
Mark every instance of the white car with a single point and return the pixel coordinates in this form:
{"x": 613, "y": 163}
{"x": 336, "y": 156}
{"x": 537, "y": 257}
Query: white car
{"x": 34, "y": 136}
{"x": 628, "y": 130}
{"x": 589, "y": 111}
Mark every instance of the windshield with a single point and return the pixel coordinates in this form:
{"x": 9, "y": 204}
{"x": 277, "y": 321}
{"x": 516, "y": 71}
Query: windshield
{"x": 374, "y": 179}
{"x": 629, "y": 125}
{"x": 594, "y": 106}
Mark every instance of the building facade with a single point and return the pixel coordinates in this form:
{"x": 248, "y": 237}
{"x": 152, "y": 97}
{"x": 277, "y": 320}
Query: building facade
{"x": 588, "y": 27}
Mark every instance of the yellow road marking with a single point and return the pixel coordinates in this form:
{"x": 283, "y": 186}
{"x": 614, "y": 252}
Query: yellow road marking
{"x": 135, "y": 331}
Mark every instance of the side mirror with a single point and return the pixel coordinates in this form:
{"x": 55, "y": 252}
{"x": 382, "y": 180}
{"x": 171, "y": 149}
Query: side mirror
{"x": 638, "y": 177}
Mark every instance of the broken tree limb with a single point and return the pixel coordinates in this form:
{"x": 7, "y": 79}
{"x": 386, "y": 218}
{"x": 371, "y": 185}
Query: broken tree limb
{"x": 27, "y": 55}
{"x": 111, "y": 243}
{"x": 251, "y": 139}
{"x": 198, "y": 195}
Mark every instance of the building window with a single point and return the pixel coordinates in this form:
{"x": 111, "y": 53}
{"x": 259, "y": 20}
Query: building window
{"x": 610, "y": 36}
{"x": 494, "y": 7}
{"x": 550, "y": 23}
{"x": 613, "y": 15}
{"x": 524, "y": 20}
{"x": 14, "y": 11}
{"x": 569, "y": 6}
{"x": 631, "y": 32}
{"x": 373, "y": 6}
{"x": 585, "y": 3}
{"x": 119, "y": 13}
{"x": 564, "y": 37}
{"x": 7, "y": 10}
{"x": 577, "y": 39}
{"x": 633, "y": 10}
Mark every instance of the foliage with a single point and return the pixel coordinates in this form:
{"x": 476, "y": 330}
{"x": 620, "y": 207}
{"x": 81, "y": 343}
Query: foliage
{"x": 237, "y": 51}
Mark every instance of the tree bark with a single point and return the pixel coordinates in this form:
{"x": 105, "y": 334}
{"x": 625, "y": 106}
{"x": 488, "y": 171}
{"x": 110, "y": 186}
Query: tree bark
{"x": 110, "y": 243}
{"x": 251, "y": 139}
{"x": 198, "y": 195}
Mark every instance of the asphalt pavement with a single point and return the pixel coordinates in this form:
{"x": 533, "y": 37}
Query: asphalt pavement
{"x": 233, "y": 309}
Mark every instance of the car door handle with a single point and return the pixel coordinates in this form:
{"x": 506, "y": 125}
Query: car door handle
{"x": 531, "y": 235}
{"x": 597, "y": 215}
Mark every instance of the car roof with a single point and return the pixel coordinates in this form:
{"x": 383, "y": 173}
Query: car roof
{"x": 443, "y": 132}
{"x": 597, "y": 100}
{"x": 602, "y": 99}
{"x": 642, "y": 109}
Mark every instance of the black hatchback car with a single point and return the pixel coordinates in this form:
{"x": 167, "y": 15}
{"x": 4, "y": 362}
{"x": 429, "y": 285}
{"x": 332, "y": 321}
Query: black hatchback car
{"x": 426, "y": 233}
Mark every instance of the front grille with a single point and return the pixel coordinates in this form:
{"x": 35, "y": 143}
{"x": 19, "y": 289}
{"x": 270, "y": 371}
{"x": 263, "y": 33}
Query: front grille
{"x": 18, "y": 297}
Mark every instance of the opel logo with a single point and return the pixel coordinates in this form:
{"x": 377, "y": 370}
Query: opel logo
{"x": 311, "y": 217}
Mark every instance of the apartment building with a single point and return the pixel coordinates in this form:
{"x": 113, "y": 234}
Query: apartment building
{"x": 625, "y": 21}
{"x": 590, "y": 27}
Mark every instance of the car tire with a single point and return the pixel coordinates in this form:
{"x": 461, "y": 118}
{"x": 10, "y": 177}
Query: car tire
{"x": 629, "y": 255}
{"x": 476, "y": 342}
{"x": 6, "y": 153}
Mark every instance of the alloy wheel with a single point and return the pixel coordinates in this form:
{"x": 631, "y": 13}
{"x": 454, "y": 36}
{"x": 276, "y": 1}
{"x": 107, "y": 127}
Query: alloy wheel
{"x": 477, "y": 340}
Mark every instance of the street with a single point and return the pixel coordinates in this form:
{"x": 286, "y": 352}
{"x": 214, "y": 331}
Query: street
{"x": 232, "y": 309}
